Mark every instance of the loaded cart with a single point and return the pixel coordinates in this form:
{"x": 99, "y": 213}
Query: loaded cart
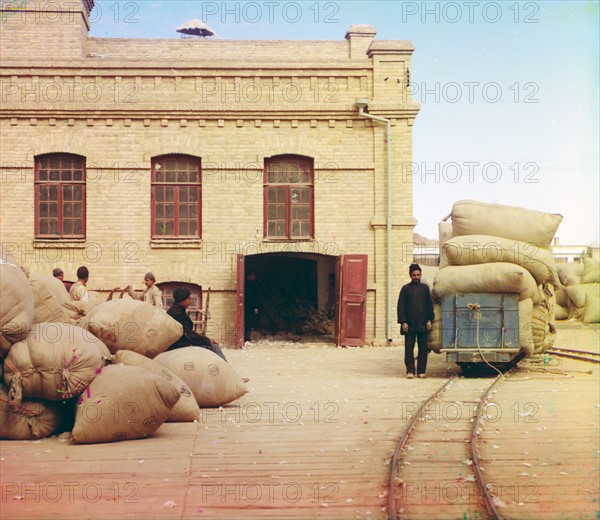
{"x": 481, "y": 328}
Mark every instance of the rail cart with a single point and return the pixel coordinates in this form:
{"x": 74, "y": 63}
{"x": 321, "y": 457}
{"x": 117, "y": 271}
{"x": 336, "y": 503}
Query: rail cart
{"x": 481, "y": 328}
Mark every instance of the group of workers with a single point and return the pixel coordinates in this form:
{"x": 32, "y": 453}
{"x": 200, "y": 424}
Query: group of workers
{"x": 415, "y": 313}
{"x": 153, "y": 295}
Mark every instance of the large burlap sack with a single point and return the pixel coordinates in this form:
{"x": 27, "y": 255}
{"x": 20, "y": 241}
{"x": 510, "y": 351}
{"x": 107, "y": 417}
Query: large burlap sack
{"x": 55, "y": 361}
{"x": 133, "y": 325}
{"x": 539, "y": 327}
{"x": 525, "y": 329}
{"x": 76, "y": 311}
{"x": 16, "y": 305}
{"x": 591, "y": 313}
{"x": 213, "y": 381}
{"x": 496, "y": 277}
{"x": 49, "y": 295}
{"x": 470, "y": 217}
{"x": 187, "y": 408}
{"x": 482, "y": 249}
{"x": 562, "y": 297}
{"x": 434, "y": 338}
{"x": 579, "y": 293}
{"x": 561, "y": 313}
{"x": 444, "y": 233}
{"x": 122, "y": 403}
{"x": 543, "y": 317}
{"x": 570, "y": 274}
{"x": 591, "y": 270}
{"x": 54, "y": 286}
{"x": 32, "y": 419}
{"x": 8, "y": 258}
{"x": 549, "y": 300}
{"x": 428, "y": 273}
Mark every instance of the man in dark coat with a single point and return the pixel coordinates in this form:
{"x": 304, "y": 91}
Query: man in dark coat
{"x": 178, "y": 311}
{"x": 415, "y": 314}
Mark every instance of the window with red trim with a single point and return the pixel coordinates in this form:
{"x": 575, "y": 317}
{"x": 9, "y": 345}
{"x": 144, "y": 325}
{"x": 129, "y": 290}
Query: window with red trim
{"x": 59, "y": 196}
{"x": 288, "y": 198}
{"x": 176, "y": 197}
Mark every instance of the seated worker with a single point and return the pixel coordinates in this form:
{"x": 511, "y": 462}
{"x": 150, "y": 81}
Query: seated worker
{"x": 178, "y": 311}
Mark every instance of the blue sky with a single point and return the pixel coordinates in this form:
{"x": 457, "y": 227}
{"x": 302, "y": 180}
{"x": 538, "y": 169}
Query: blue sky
{"x": 508, "y": 90}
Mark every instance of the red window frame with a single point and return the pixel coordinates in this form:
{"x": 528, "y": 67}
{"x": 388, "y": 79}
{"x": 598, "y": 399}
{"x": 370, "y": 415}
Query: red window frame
{"x": 60, "y": 196}
{"x": 288, "y": 212}
{"x": 180, "y": 177}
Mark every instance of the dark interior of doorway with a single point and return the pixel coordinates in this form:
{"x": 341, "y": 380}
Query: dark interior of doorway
{"x": 286, "y": 291}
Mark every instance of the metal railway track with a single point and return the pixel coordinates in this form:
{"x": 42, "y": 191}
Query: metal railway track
{"x": 477, "y": 395}
{"x": 581, "y": 355}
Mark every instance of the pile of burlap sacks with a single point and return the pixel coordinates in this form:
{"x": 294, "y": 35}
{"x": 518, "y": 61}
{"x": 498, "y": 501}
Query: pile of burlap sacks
{"x": 579, "y": 296}
{"x": 97, "y": 369}
{"x": 492, "y": 248}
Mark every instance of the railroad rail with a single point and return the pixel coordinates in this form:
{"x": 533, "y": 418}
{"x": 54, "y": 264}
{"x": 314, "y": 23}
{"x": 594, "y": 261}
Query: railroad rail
{"x": 460, "y": 402}
{"x": 581, "y": 355}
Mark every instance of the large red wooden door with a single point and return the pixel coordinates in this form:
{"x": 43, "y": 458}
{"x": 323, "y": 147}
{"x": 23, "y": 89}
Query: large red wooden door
{"x": 352, "y": 300}
{"x": 239, "y": 321}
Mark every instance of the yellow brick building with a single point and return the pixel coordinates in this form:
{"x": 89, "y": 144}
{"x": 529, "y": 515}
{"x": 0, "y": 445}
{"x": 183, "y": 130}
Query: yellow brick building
{"x": 202, "y": 160}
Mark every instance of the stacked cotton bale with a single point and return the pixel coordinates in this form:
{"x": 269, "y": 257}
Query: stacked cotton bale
{"x": 582, "y": 287}
{"x": 50, "y": 367}
{"x": 428, "y": 273}
{"x": 55, "y": 361}
{"x": 492, "y": 248}
{"x": 54, "y": 364}
{"x": 212, "y": 380}
{"x": 568, "y": 274}
{"x": 31, "y": 419}
{"x": 186, "y": 409}
{"x": 132, "y": 325}
{"x": 123, "y": 403}
{"x": 16, "y": 304}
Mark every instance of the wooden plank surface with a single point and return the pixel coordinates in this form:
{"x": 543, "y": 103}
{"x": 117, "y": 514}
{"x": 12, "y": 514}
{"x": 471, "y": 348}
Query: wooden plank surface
{"x": 312, "y": 439}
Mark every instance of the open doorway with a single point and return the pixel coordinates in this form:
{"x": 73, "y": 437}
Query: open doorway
{"x": 290, "y": 295}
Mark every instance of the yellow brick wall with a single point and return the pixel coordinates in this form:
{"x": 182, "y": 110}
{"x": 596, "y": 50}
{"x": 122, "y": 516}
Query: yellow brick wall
{"x": 118, "y": 119}
{"x": 40, "y": 29}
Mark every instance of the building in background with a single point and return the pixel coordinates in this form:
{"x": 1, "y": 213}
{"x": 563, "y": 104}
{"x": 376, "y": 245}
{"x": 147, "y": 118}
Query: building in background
{"x": 202, "y": 160}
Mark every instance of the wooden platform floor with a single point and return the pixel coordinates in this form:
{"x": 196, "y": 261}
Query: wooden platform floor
{"x": 312, "y": 439}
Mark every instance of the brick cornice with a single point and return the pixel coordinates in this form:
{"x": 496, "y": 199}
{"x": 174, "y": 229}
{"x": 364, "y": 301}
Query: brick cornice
{"x": 176, "y": 68}
{"x": 176, "y": 115}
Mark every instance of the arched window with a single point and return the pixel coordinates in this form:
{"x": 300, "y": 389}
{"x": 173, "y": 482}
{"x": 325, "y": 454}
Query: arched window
{"x": 176, "y": 197}
{"x": 288, "y": 198}
{"x": 60, "y": 196}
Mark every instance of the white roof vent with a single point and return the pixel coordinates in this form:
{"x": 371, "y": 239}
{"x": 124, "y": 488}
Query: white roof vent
{"x": 195, "y": 27}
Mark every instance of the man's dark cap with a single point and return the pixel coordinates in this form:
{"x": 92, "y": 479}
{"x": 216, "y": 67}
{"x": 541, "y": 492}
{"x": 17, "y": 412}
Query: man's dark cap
{"x": 414, "y": 267}
{"x": 83, "y": 273}
{"x": 180, "y": 294}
